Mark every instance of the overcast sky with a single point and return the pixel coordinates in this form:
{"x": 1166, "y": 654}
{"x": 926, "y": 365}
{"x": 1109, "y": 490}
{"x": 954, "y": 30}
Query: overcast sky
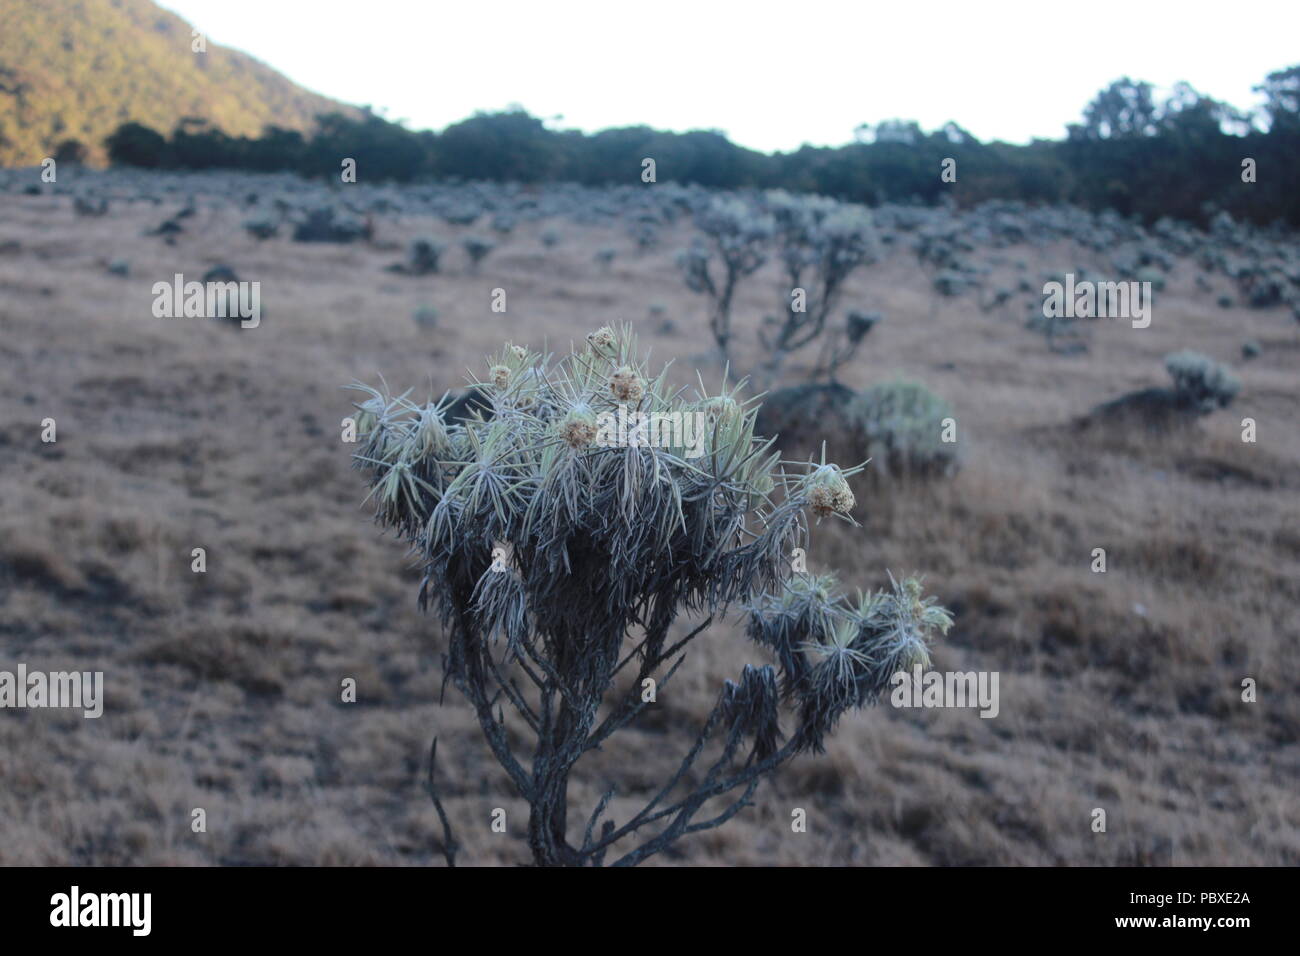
{"x": 770, "y": 75}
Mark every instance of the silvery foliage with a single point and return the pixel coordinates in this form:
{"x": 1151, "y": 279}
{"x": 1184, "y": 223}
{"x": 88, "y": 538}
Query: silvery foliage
{"x": 607, "y": 545}
{"x": 902, "y": 424}
{"x": 821, "y": 243}
{"x": 736, "y": 236}
{"x": 1201, "y": 382}
{"x": 836, "y": 654}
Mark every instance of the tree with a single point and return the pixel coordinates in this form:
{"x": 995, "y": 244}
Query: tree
{"x": 1125, "y": 108}
{"x": 511, "y": 146}
{"x": 825, "y": 242}
{"x": 738, "y": 235}
{"x": 560, "y": 556}
{"x": 135, "y": 145}
{"x": 1281, "y": 90}
{"x": 72, "y": 152}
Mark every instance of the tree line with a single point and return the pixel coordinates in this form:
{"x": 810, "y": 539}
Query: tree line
{"x": 1185, "y": 156}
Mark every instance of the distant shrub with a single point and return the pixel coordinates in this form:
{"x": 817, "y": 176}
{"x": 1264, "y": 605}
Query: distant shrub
{"x": 262, "y": 228}
{"x": 951, "y": 283}
{"x": 645, "y": 235}
{"x": 1263, "y": 289}
{"x": 327, "y": 225}
{"x": 1201, "y": 385}
{"x": 422, "y": 258}
{"x": 1201, "y": 382}
{"x": 1154, "y": 276}
{"x": 477, "y": 248}
{"x": 805, "y": 417}
{"x": 902, "y": 424}
{"x": 90, "y": 207}
{"x": 225, "y": 276}
{"x": 462, "y": 216}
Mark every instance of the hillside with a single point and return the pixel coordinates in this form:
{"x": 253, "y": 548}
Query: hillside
{"x": 76, "y": 69}
{"x": 1120, "y": 690}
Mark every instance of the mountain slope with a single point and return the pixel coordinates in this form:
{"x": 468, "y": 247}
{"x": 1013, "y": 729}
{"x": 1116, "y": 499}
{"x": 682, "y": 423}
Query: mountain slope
{"x": 76, "y": 69}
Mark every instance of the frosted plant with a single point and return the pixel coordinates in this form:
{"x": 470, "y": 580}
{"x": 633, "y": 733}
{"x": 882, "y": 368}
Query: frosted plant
{"x": 902, "y": 424}
{"x": 1200, "y": 382}
{"x": 609, "y": 545}
{"x": 735, "y": 237}
{"x": 822, "y": 243}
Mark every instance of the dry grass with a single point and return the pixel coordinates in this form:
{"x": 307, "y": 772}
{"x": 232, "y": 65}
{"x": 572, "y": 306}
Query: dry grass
{"x": 223, "y": 689}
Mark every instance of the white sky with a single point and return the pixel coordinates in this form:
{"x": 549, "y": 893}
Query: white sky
{"x": 770, "y": 75}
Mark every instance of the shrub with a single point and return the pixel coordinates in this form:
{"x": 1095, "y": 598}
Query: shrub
{"x": 224, "y": 275}
{"x": 1200, "y": 386}
{"x": 1200, "y": 382}
{"x": 951, "y": 283}
{"x": 822, "y": 243}
{"x": 804, "y": 418}
{"x": 262, "y": 228}
{"x": 83, "y": 206}
{"x": 465, "y": 215}
{"x": 477, "y": 248}
{"x": 737, "y": 235}
{"x": 560, "y": 562}
{"x": 327, "y": 225}
{"x": 421, "y": 258}
{"x": 426, "y": 317}
{"x": 902, "y": 425}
